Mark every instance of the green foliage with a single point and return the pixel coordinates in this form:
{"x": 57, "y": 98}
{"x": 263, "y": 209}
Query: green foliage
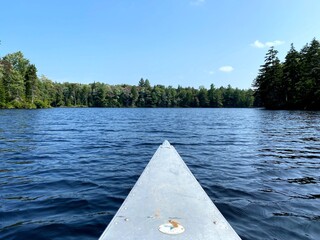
{"x": 30, "y": 82}
{"x": 2, "y": 90}
{"x": 40, "y": 104}
{"x": 293, "y": 84}
{"x": 21, "y": 88}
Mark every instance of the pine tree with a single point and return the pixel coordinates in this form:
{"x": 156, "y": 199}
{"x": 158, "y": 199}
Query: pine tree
{"x": 308, "y": 85}
{"x": 291, "y": 77}
{"x": 2, "y": 90}
{"x": 203, "y": 97}
{"x": 135, "y": 95}
{"x": 268, "y": 84}
{"x": 30, "y": 82}
{"x": 312, "y": 74}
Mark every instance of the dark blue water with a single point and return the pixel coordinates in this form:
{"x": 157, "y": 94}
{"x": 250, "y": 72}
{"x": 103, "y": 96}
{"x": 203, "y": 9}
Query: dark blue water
{"x": 65, "y": 172}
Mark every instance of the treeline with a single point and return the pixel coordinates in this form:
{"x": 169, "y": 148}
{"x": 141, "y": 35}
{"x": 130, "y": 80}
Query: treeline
{"x": 21, "y": 88}
{"x": 292, "y": 84}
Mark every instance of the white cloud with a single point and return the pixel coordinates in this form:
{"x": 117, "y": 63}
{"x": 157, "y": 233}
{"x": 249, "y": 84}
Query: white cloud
{"x": 258, "y": 44}
{"x": 274, "y": 43}
{"x": 226, "y": 69}
{"x": 197, "y": 2}
{"x": 211, "y": 72}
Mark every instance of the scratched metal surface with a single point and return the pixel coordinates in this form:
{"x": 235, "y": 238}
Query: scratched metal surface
{"x": 167, "y": 190}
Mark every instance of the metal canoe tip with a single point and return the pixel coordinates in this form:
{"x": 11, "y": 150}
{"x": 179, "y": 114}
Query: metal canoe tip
{"x": 166, "y": 143}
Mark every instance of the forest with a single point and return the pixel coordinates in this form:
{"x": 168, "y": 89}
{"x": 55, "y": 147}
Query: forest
{"x": 291, "y": 84}
{"x": 20, "y": 87}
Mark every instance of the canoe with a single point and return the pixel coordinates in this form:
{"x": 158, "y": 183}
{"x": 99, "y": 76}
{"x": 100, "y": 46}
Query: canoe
{"x": 167, "y": 202}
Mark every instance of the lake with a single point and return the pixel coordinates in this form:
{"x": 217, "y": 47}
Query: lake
{"x": 65, "y": 172}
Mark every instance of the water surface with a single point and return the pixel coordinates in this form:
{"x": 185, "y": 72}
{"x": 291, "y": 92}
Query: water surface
{"x": 65, "y": 172}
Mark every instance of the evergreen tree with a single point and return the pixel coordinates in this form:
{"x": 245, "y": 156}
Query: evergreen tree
{"x": 269, "y": 88}
{"x": 99, "y": 99}
{"x": 203, "y": 97}
{"x": 229, "y": 97}
{"x": 291, "y": 76}
{"x": 211, "y": 95}
{"x": 311, "y": 75}
{"x": 2, "y": 90}
{"x": 294, "y": 84}
{"x": 141, "y": 83}
{"x": 148, "y": 93}
{"x": 135, "y": 95}
{"x": 84, "y": 95}
{"x": 30, "y": 82}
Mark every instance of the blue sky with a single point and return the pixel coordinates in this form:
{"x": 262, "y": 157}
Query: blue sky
{"x": 170, "y": 42}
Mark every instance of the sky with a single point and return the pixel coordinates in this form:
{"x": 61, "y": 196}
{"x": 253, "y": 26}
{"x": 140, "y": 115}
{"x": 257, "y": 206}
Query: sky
{"x": 170, "y": 42}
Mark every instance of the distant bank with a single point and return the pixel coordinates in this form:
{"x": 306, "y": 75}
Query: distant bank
{"x": 20, "y": 87}
{"x": 292, "y": 84}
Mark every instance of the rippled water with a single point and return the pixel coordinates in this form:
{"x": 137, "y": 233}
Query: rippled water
{"x": 65, "y": 172}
